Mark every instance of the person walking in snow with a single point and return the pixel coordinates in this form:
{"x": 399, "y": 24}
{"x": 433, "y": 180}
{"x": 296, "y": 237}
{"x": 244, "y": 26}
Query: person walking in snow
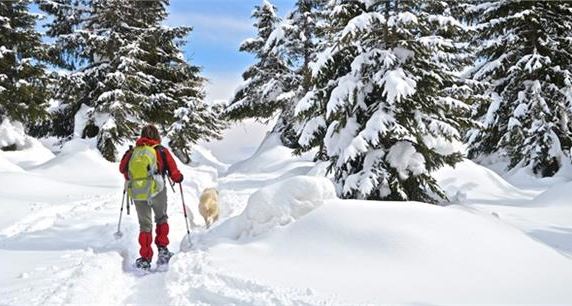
{"x": 145, "y": 168}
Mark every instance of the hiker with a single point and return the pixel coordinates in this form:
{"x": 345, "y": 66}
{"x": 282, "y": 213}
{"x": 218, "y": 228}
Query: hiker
{"x": 145, "y": 168}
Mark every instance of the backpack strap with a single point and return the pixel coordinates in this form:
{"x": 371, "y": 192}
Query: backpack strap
{"x": 163, "y": 157}
{"x": 126, "y": 158}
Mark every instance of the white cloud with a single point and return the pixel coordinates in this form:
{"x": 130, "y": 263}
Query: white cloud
{"x": 215, "y": 28}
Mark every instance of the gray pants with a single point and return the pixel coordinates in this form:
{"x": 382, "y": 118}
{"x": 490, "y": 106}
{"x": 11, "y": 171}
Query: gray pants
{"x": 159, "y": 208}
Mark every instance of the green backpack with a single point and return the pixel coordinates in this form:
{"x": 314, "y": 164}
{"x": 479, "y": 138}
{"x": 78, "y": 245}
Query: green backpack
{"x": 145, "y": 181}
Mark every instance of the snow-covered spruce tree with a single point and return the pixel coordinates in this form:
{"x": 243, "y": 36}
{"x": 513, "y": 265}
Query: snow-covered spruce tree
{"x": 526, "y": 74}
{"x": 177, "y": 93}
{"x": 281, "y": 77}
{"x": 310, "y": 111}
{"x": 296, "y": 39}
{"x": 131, "y": 72}
{"x": 103, "y": 97}
{"x": 23, "y": 81}
{"x": 383, "y": 82}
{"x": 262, "y": 93}
{"x": 177, "y": 103}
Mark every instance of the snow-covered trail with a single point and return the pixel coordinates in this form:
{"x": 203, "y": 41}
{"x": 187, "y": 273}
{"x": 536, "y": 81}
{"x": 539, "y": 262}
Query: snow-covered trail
{"x": 60, "y": 246}
{"x": 65, "y": 254}
{"x": 64, "y": 251}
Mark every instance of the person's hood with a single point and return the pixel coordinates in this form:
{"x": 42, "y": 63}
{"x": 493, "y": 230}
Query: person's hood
{"x": 144, "y": 141}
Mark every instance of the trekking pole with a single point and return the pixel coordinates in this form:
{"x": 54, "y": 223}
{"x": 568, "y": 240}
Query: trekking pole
{"x": 119, "y": 234}
{"x": 129, "y": 201}
{"x": 172, "y": 184}
{"x": 185, "y": 213}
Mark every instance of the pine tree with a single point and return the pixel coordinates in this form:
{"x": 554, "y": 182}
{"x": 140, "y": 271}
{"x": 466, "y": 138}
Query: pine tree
{"x": 297, "y": 39}
{"x": 310, "y": 111}
{"x": 261, "y": 94}
{"x": 525, "y": 73}
{"x": 23, "y": 81}
{"x": 281, "y": 77}
{"x": 177, "y": 95}
{"x": 131, "y": 72}
{"x": 382, "y": 85}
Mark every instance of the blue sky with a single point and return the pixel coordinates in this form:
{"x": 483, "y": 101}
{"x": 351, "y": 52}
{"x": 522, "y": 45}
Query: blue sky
{"x": 219, "y": 26}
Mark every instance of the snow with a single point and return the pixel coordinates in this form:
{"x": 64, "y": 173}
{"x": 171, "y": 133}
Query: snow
{"x": 239, "y": 141}
{"x": 270, "y": 157}
{"x": 406, "y": 160}
{"x": 76, "y": 156}
{"x": 32, "y": 154}
{"x": 12, "y": 133}
{"x": 397, "y": 85}
{"x": 337, "y": 141}
{"x": 310, "y": 128}
{"x": 283, "y": 237}
{"x": 365, "y": 253}
{"x": 7, "y": 166}
{"x": 362, "y": 22}
{"x": 468, "y": 181}
{"x": 277, "y": 205}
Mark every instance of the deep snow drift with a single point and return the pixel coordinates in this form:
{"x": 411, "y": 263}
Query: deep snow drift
{"x": 283, "y": 237}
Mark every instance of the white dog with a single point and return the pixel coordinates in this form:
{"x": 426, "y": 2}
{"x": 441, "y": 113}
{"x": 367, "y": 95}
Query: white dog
{"x": 208, "y": 206}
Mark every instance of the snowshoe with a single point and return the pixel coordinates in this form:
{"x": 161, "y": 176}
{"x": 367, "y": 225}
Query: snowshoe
{"x": 164, "y": 256}
{"x": 143, "y": 264}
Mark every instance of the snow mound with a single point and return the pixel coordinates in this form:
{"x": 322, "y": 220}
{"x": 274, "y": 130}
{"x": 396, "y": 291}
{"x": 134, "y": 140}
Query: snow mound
{"x": 81, "y": 162}
{"x": 468, "y": 181}
{"x": 31, "y": 155}
{"x": 27, "y": 151}
{"x": 7, "y": 166}
{"x": 271, "y": 156}
{"x": 381, "y": 252}
{"x": 558, "y": 195}
{"x": 278, "y": 205}
{"x": 12, "y": 133}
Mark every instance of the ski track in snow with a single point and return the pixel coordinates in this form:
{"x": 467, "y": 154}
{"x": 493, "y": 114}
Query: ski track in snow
{"x": 84, "y": 259}
{"x": 194, "y": 280}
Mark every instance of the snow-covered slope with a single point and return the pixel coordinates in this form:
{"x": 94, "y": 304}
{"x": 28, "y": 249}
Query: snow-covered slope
{"x": 80, "y": 162}
{"x": 203, "y": 156}
{"x": 283, "y": 238}
{"x": 383, "y": 252}
{"x": 543, "y": 212}
{"x": 239, "y": 141}
{"x": 271, "y": 157}
{"x": 7, "y": 166}
{"x": 469, "y": 182}
{"x": 32, "y": 155}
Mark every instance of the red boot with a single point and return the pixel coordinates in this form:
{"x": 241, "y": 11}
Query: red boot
{"x": 145, "y": 250}
{"x": 162, "y": 231}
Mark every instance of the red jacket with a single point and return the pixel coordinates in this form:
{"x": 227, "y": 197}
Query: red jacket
{"x": 171, "y": 169}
